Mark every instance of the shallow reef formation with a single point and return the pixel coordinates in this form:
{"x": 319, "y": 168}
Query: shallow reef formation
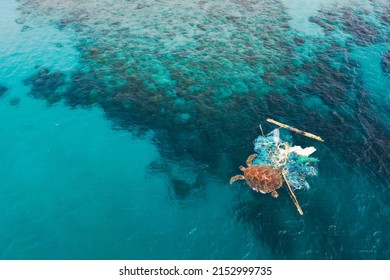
{"x": 204, "y": 80}
{"x": 352, "y": 111}
{"x": 174, "y": 79}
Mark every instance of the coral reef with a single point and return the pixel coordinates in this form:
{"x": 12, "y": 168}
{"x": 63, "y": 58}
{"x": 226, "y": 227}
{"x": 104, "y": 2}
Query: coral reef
{"x": 46, "y": 84}
{"x": 206, "y": 79}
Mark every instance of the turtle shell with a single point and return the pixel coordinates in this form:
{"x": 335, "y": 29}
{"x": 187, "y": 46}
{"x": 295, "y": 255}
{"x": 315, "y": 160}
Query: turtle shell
{"x": 263, "y": 178}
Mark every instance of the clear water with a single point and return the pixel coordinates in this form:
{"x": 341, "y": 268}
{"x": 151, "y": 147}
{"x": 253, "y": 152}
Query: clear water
{"x": 123, "y": 122}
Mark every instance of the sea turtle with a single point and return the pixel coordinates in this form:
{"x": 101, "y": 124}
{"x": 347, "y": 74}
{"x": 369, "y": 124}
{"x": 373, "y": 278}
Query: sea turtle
{"x": 261, "y": 178}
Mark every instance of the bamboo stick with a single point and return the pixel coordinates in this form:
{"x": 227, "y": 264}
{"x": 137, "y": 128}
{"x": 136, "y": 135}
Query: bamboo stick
{"x": 307, "y": 134}
{"x": 292, "y": 195}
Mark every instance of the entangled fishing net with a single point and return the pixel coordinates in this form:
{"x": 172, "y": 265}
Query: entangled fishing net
{"x": 272, "y": 150}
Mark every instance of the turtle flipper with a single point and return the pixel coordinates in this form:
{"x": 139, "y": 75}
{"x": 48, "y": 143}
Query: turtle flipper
{"x": 250, "y": 159}
{"x": 237, "y": 177}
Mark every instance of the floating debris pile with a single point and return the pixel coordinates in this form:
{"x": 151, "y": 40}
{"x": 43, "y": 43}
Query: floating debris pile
{"x": 278, "y": 159}
{"x": 294, "y": 161}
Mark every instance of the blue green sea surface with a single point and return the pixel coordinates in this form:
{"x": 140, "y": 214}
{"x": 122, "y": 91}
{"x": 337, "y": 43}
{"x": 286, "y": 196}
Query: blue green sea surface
{"x": 121, "y": 123}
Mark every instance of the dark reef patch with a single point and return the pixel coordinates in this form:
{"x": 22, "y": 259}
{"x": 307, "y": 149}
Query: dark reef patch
{"x": 385, "y": 63}
{"x": 25, "y": 28}
{"x": 14, "y": 101}
{"x": 354, "y": 23}
{"x": 3, "y": 90}
{"x": 85, "y": 89}
{"x": 63, "y": 23}
{"x": 385, "y": 16}
{"x": 58, "y": 45}
{"x": 299, "y": 40}
{"x": 46, "y": 84}
{"x": 327, "y": 27}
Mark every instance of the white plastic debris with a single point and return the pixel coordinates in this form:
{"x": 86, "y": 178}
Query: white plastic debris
{"x": 276, "y": 135}
{"x": 302, "y": 152}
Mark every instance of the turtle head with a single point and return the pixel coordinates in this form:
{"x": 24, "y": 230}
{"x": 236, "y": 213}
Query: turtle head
{"x": 275, "y": 194}
{"x": 242, "y": 168}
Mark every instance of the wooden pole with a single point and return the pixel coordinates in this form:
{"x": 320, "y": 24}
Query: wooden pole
{"x": 292, "y": 195}
{"x": 307, "y": 134}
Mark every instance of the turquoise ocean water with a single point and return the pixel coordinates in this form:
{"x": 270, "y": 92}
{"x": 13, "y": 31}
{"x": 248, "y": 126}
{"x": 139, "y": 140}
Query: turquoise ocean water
{"x": 121, "y": 123}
